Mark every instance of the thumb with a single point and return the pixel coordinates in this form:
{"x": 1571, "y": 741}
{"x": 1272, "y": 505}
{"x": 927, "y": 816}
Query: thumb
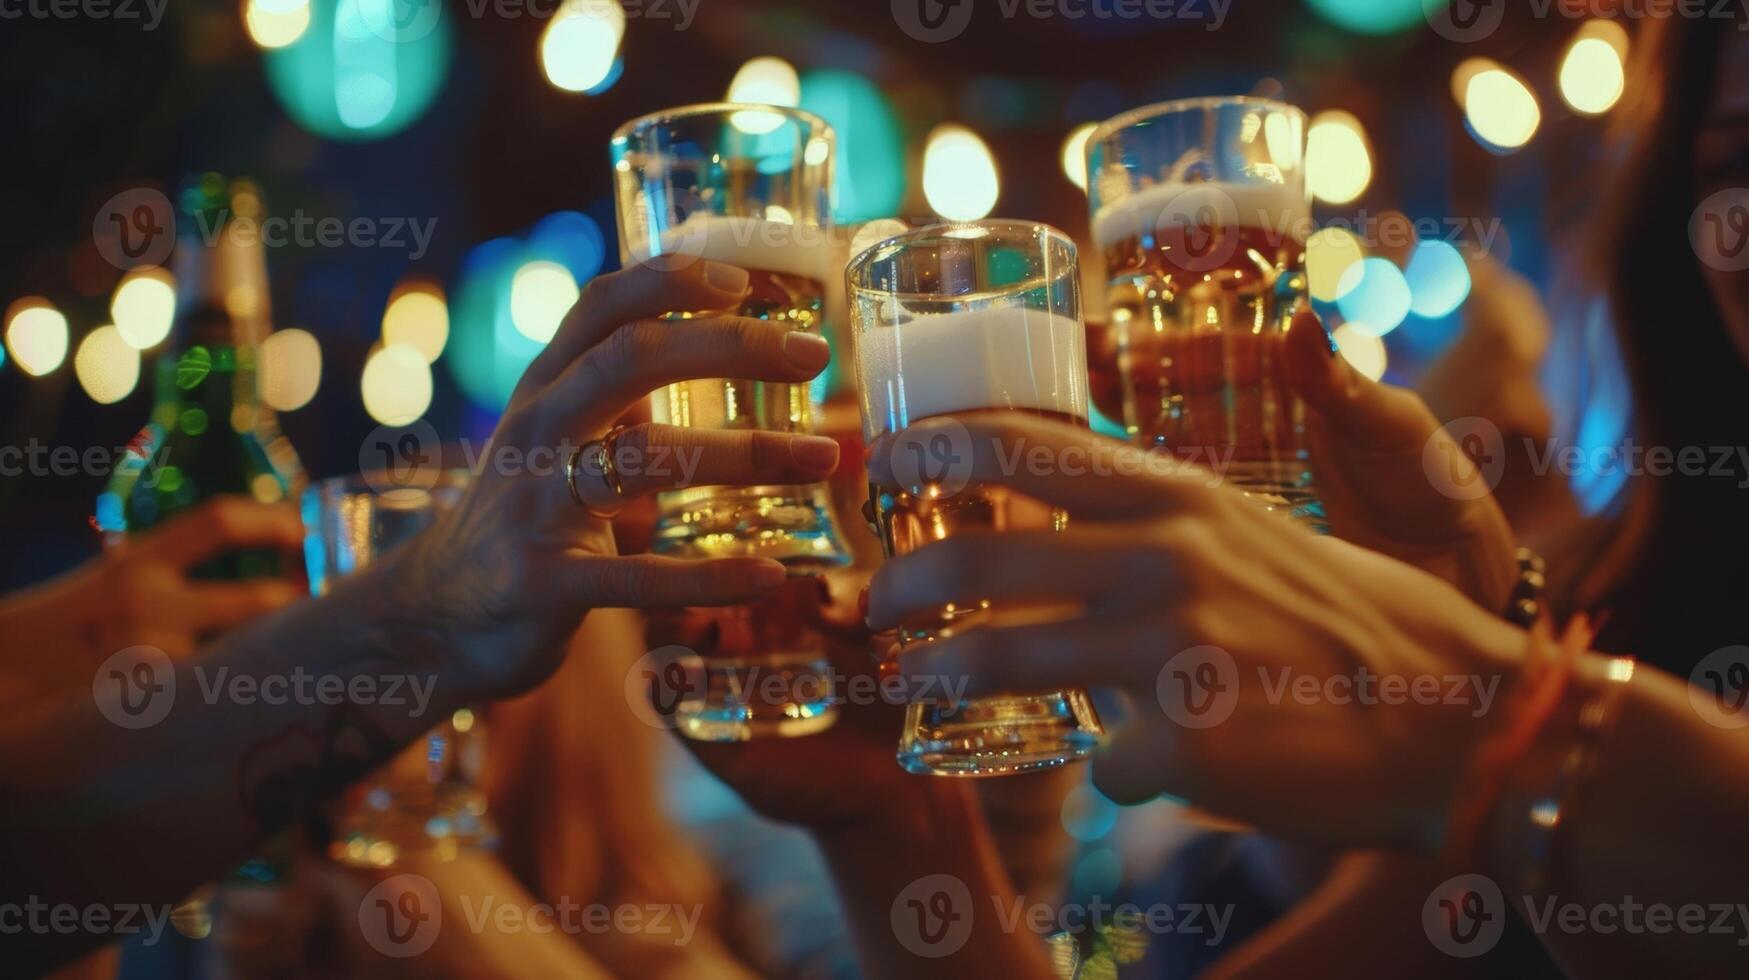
{"x": 1358, "y": 410}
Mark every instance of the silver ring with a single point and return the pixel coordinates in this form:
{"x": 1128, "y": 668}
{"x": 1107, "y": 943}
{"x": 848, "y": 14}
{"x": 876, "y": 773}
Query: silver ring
{"x": 602, "y": 452}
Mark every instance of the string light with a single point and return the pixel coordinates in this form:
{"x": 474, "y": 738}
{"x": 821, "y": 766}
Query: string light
{"x": 1593, "y": 75}
{"x": 396, "y": 385}
{"x": 36, "y": 335}
{"x": 580, "y": 46}
{"x": 959, "y": 174}
{"x": 144, "y": 307}
{"x": 1075, "y": 155}
{"x": 417, "y": 317}
{"x": 1338, "y": 163}
{"x": 764, "y": 81}
{"x": 276, "y": 23}
{"x": 291, "y": 369}
{"x": 1501, "y": 110}
{"x": 1361, "y": 347}
{"x": 540, "y": 296}
{"x": 107, "y": 366}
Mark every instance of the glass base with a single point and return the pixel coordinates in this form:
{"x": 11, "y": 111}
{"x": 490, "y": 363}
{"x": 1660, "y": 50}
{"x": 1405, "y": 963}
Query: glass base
{"x": 998, "y": 736}
{"x": 793, "y": 525}
{"x": 783, "y": 695}
{"x": 1281, "y": 487}
{"x": 385, "y": 827}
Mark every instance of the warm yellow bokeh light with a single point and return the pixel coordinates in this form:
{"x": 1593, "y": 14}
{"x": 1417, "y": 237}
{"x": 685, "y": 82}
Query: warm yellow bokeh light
{"x": 1075, "y": 155}
{"x": 291, "y": 369}
{"x": 396, "y": 385}
{"x": 1361, "y": 347}
{"x": 1501, "y": 109}
{"x": 579, "y": 46}
{"x": 1284, "y": 135}
{"x": 107, "y": 366}
{"x": 1592, "y": 76}
{"x": 1467, "y": 70}
{"x": 540, "y": 296}
{"x": 276, "y": 23}
{"x": 36, "y": 335}
{"x": 959, "y": 174}
{"x": 1330, "y": 252}
{"x": 1338, "y": 163}
{"x": 144, "y": 307}
{"x": 418, "y": 317}
{"x": 764, "y": 81}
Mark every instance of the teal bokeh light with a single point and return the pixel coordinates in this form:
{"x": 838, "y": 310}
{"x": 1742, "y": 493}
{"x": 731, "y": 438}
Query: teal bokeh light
{"x": 871, "y": 151}
{"x": 1439, "y": 279}
{"x": 355, "y": 75}
{"x": 1376, "y": 16}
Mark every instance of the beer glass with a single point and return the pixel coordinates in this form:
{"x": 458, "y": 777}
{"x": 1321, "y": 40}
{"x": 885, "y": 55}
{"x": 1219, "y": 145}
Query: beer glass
{"x": 749, "y": 185}
{"x": 952, "y": 320}
{"x": 426, "y": 799}
{"x": 1201, "y": 213}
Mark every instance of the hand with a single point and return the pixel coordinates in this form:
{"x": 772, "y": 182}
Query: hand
{"x": 500, "y": 582}
{"x": 1367, "y": 443}
{"x": 1156, "y": 563}
{"x": 140, "y": 592}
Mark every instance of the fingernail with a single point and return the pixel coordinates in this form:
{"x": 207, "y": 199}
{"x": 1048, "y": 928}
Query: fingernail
{"x": 769, "y": 574}
{"x": 725, "y": 277}
{"x": 817, "y": 453}
{"x": 806, "y": 351}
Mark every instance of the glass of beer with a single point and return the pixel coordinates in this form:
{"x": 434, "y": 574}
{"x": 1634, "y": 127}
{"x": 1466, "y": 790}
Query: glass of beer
{"x": 427, "y": 799}
{"x": 1201, "y": 213}
{"x": 954, "y": 320}
{"x": 749, "y": 185}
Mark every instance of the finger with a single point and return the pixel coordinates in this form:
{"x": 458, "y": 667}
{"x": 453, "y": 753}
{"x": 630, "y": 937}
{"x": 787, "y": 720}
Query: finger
{"x": 652, "y": 581}
{"x": 644, "y": 355}
{"x": 1080, "y": 652}
{"x": 653, "y": 457}
{"x": 639, "y": 292}
{"x": 1053, "y": 462}
{"x": 216, "y": 607}
{"x": 1013, "y": 568}
{"x": 221, "y": 525}
{"x": 1361, "y": 412}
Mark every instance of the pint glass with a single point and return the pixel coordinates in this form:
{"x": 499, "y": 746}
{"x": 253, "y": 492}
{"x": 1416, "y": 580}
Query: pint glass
{"x": 954, "y": 320}
{"x": 1201, "y": 214}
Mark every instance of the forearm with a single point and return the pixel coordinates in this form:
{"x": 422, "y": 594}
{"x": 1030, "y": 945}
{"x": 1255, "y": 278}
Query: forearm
{"x": 926, "y": 894}
{"x": 1653, "y": 832}
{"x": 103, "y": 808}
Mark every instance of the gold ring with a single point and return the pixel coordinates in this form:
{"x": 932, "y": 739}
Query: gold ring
{"x": 601, "y": 451}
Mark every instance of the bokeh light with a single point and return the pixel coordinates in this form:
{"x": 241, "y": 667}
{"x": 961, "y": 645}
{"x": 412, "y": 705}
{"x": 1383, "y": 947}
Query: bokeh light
{"x": 396, "y": 385}
{"x": 1075, "y": 154}
{"x": 764, "y": 81}
{"x": 276, "y": 23}
{"x": 291, "y": 369}
{"x": 1361, "y": 348}
{"x": 1338, "y": 162}
{"x": 1088, "y": 814}
{"x": 107, "y": 366}
{"x": 417, "y": 317}
{"x": 1376, "y": 16}
{"x": 1500, "y": 109}
{"x": 580, "y": 46}
{"x": 1438, "y": 278}
{"x": 871, "y": 151}
{"x": 1330, "y": 252}
{"x": 1373, "y": 296}
{"x": 144, "y": 307}
{"x": 959, "y": 174}
{"x": 36, "y": 335}
{"x": 1592, "y": 76}
{"x": 357, "y": 73}
{"x": 540, "y": 296}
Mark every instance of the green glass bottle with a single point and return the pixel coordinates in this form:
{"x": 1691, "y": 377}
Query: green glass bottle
{"x": 210, "y": 434}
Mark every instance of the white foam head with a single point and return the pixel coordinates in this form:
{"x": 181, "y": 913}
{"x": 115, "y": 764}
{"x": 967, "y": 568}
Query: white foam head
{"x": 1279, "y": 208}
{"x": 956, "y": 362}
{"x": 783, "y": 247}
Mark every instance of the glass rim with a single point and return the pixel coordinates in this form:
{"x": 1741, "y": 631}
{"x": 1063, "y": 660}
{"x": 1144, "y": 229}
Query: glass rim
{"x": 1124, "y": 120}
{"x": 636, "y": 124}
{"x": 944, "y": 230}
